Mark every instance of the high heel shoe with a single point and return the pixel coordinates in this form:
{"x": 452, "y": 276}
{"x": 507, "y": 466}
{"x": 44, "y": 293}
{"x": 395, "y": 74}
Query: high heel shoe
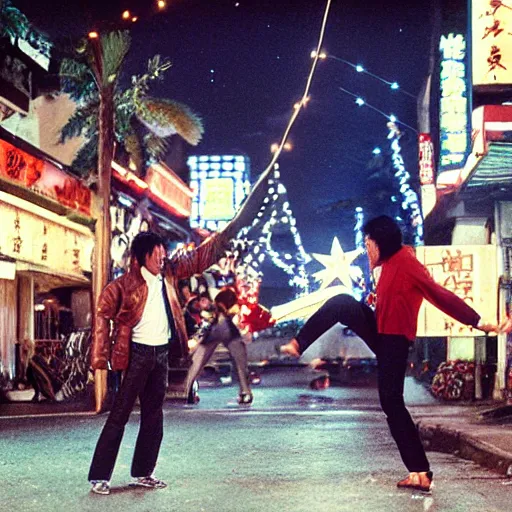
{"x": 419, "y": 481}
{"x": 245, "y": 398}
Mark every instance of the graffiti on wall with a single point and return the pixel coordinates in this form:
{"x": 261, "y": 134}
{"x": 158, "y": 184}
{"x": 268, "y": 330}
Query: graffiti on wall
{"x": 469, "y": 272}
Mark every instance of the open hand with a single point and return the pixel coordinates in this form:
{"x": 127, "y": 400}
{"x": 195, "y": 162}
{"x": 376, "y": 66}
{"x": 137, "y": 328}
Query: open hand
{"x": 487, "y": 327}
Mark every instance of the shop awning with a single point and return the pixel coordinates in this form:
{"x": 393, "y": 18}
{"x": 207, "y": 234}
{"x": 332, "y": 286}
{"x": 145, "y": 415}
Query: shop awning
{"x": 494, "y": 169}
{"x": 48, "y": 279}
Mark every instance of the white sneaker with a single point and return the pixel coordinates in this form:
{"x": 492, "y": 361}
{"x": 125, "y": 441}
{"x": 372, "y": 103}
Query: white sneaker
{"x": 148, "y": 481}
{"x": 100, "y": 487}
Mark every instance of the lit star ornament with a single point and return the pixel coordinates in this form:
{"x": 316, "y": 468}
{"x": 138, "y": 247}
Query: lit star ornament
{"x": 338, "y": 265}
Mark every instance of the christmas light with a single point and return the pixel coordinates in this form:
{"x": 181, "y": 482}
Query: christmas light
{"x": 360, "y": 69}
{"x": 410, "y": 202}
{"x": 93, "y": 35}
{"x": 161, "y": 4}
{"x": 125, "y": 15}
{"x": 361, "y": 102}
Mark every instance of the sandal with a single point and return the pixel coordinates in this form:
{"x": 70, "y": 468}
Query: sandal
{"x": 419, "y": 481}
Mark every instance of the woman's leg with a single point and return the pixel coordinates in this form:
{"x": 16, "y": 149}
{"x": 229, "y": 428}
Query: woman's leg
{"x": 392, "y": 364}
{"x": 343, "y": 309}
{"x": 238, "y": 352}
{"x": 200, "y": 357}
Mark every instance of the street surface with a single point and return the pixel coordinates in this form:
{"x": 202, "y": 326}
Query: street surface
{"x": 294, "y": 450}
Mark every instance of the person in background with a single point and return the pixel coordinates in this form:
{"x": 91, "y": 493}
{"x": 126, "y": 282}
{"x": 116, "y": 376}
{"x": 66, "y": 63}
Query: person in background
{"x": 218, "y": 326}
{"x": 148, "y": 323}
{"x": 389, "y": 332}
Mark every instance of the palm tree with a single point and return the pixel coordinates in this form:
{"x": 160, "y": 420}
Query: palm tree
{"x": 106, "y": 115}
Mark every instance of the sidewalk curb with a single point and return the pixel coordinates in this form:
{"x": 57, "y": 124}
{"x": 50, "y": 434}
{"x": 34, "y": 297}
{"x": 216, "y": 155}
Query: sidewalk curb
{"x": 447, "y": 440}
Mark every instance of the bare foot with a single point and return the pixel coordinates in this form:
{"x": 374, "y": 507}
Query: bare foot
{"x": 290, "y": 349}
{"x": 316, "y": 363}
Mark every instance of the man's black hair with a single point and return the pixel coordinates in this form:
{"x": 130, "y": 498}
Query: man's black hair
{"x": 144, "y": 243}
{"x": 386, "y": 233}
{"x": 226, "y": 298}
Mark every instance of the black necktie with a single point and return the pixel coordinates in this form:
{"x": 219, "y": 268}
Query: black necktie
{"x": 168, "y": 310}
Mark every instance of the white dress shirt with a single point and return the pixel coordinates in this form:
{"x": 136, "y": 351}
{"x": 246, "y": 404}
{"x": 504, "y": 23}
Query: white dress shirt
{"x": 153, "y": 328}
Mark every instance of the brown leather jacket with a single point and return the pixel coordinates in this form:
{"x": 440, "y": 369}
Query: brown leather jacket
{"x": 122, "y": 302}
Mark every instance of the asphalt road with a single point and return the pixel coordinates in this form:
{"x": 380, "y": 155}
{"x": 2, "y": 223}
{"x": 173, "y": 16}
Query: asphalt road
{"x": 294, "y": 450}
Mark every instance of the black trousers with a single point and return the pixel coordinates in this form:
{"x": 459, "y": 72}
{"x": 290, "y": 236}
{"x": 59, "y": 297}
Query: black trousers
{"x": 392, "y": 352}
{"x": 146, "y": 378}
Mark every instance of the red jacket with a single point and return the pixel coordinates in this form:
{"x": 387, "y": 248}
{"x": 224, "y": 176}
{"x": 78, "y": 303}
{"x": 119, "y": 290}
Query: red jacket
{"x": 403, "y": 284}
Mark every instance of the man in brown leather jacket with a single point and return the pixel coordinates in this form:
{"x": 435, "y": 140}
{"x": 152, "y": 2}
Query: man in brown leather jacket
{"x": 148, "y": 322}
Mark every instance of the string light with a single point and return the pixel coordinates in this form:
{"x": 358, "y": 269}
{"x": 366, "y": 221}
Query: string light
{"x": 299, "y": 276}
{"x": 274, "y": 214}
{"x": 360, "y": 69}
{"x": 361, "y": 102}
{"x": 93, "y": 35}
{"x": 410, "y": 202}
{"x": 125, "y": 15}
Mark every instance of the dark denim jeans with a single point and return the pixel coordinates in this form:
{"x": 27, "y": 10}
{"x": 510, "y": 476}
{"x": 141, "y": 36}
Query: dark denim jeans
{"x": 146, "y": 378}
{"x": 392, "y": 353}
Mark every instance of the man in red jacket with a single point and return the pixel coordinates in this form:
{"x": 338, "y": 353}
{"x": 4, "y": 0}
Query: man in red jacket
{"x": 402, "y": 285}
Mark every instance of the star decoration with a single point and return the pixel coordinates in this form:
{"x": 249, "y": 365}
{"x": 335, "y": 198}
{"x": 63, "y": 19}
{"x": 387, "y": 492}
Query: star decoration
{"x": 338, "y": 265}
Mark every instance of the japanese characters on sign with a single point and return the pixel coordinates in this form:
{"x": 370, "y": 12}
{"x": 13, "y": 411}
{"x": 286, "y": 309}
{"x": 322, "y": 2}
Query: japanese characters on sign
{"x": 470, "y": 272}
{"x": 35, "y": 235}
{"x": 426, "y": 159}
{"x": 453, "y": 104}
{"x": 43, "y": 178}
{"x": 492, "y": 42}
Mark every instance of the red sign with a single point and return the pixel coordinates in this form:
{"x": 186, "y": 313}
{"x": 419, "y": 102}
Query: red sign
{"x": 44, "y": 178}
{"x": 426, "y": 159}
{"x": 166, "y": 189}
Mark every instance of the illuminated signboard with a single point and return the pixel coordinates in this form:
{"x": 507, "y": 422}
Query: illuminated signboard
{"x": 220, "y": 184}
{"x": 43, "y": 178}
{"x": 426, "y": 159}
{"x": 453, "y": 103}
{"x": 218, "y": 195}
{"x": 492, "y": 42}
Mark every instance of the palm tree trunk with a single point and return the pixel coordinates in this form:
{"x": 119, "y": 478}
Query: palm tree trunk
{"x": 102, "y": 267}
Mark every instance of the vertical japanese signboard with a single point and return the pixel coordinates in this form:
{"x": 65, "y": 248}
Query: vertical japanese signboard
{"x": 454, "y": 102}
{"x": 491, "y": 42}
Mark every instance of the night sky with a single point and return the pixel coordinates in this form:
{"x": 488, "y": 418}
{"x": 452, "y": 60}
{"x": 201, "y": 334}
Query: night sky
{"x": 241, "y": 65}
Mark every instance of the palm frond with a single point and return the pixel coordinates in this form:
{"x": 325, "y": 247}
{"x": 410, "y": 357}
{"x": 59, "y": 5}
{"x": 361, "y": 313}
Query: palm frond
{"x": 134, "y": 148}
{"x": 140, "y": 83}
{"x": 13, "y": 23}
{"x": 84, "y": 121}
{"x": 77, "y": 79}
{"x": 155, "y": 146}
{"x": 166, "y": 117}
{"x": 115, "y": 46}
{"x": 86, "y": 160}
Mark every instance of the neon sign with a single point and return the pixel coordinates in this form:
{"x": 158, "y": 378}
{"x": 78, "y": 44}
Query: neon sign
{"x": 453, "y": 105}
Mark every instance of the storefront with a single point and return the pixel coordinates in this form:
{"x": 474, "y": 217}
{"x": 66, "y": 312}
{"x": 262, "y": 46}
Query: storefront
{"x": 161, "y": 202}
{"x": 46, "y": 245}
